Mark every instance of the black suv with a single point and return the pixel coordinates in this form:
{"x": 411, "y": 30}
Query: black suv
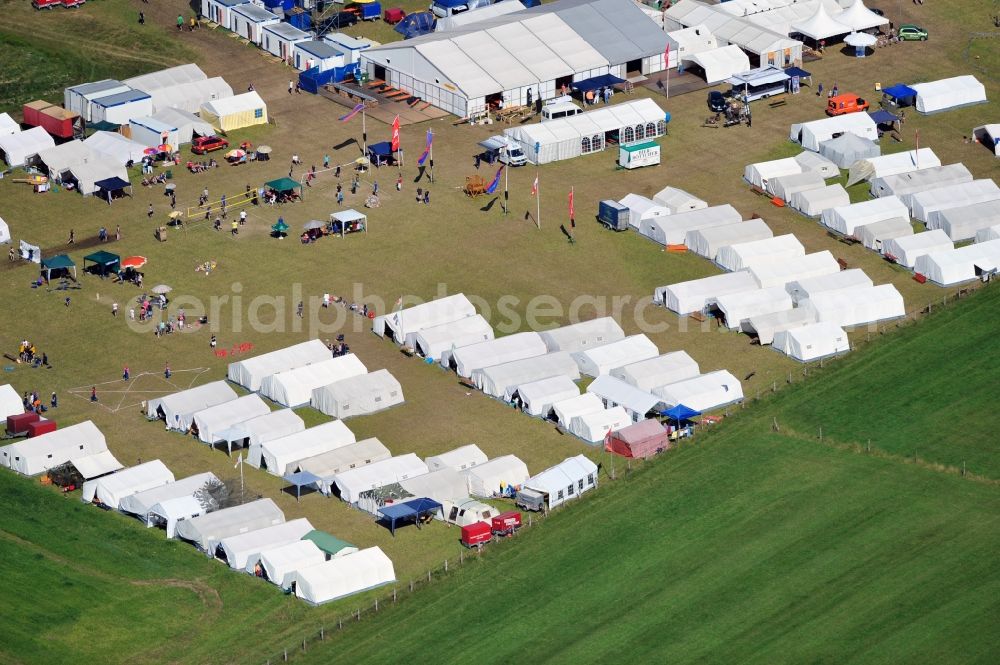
{"x": 717, "y": 101}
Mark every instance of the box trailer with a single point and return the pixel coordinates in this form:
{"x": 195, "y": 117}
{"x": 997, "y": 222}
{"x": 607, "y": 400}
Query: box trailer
{"x": 40, "y": 427}
{"x": 55, "y": 120}
{"x": 17, "y": 425}
{"x": 476, "y": 534}
{"x": 613, "y": 215}
{"x": 505, "y": 524}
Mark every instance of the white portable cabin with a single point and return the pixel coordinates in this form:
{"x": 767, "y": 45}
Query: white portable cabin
{"x": 497, "y": 351}
{"x": 329, "y": 464}
{"x": 33, "y": 456}
{"x": 810, "y": 265}
{"x": 848, "y": 148}
{"x": 215, "y": 420}
{"x": 704, "y": 392}
{"x": 761, "y": 173}
{"x": 638, "y": 403}
{"x": 220, "y": 11}
{"x": 404, "y": 323}
{"x": 111, "y": 489}
{"x": 565, "y": 410}
{"x": 719, "y": 63}
{"x": 78, "y": 97}
{"x": 249, "y": 20}
{"x": 565, "y": 481}
{"x": 239, "y": 549}
{"x": 811, "y": 134}
{"x": 351, "y": 483}
{"x": 439, "y": 342}
{"x": 925, "y": 204}
{"x": 658, "y": 371}
{"x": 501, "y": 381}
{"x": 787, "y": 186}
{"x": 280, "y": 38}
{"x": 770, "y": 250}
{"x": 489, "y": 478}
{"x": 316, "y": 53}
{"x": 343, "y": 576}
{"x": 963, "y": 264}
{"x": 677, "y": 200}
{"x": 640, "y": 208}
{"x": 537, "y": 397}
{"x": 10, "y": 402}
{"x": 280, "y": 564}
{"x": 116, "y": 147}
{"x": 813, "y": 162}
{"x": 673, "y": 229}
{"x": 905, "y": 185}
{"x": 856, "y": 306}
{"x": 280, "y": 455}
{"x": 459, "y": 459}
{"x": 845, "y": 279}
{"x": 351, "y": 47}
{"x": 765, "y": 327}
{"x": 150, "y": 132}
{"x": 205, "y": 531}
{"x": 950, "y": 93}
{"x": 905, "y": 250}
{"x": 708, "y": 242}
{"x": 583, "y": 335}
{"x": 812, "y": 202}
{"x": 874, "y": 235}
{"x": 697, "y": 294}
{"x": 251, "y": 372}
{"x": 602, "y": 359}
{"x": 141, "y": 503}
{"x": 121, "y": 107}
{"x": 987, "y": 234}
{"x": 812, "y": 342}
{"x": 894, "y": 164}
{"x": 738, "y": 307}
{"x": 441, "y": 485}
{"x": 844, "y": 219}
{"x": 358, "y": 395}
{"x": 177, "y": 409}
{"x": 967, "y": 221}
{"x": 594, "y": 427}
{"x": 294, "y": 387}
{"x": 23, "y": 148}
{"x": 260, "y": 430}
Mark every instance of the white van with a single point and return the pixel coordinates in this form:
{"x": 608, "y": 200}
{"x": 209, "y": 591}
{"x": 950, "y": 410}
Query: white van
{"x": 560, "y": 108}
{"x": 499, "y": 148}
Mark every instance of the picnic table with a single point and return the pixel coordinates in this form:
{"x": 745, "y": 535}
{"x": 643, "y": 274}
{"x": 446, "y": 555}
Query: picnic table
{"x": 475, "y": 185}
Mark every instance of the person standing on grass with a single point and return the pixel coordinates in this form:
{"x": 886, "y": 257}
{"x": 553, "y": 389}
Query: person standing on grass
{"x": 243, "y": 217}
{"x": 118, "y": 231}
{"x": 93, "y": 393}
{"x": 142, "y": 18}
{"x": 180, "y": 23}
{"x": 166, "y": 371}
{"x": 291, "y": 86}
{"x": 114, "y": 309}
{"x": 326, "y": 161}
{"x": 427, "y": 196}
{"x": 72, "y": 237}
{"x": 235, "y": 226}
{"x": 819, "y": 89}
{"x": 299, "y": 309}
{"x": 54, "y": 402}
{"x": 149, "y": 213}
{"x": 399, "y": 182}
{"x": 125, "y": 373}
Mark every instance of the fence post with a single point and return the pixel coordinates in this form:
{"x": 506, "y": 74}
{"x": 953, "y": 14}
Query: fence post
{"x": 359, "y": 614}
{"x": 411, "y": 586}
{"x": 303, "y": 646}
{"x": 285, "y": 652}
{"x": 446, "y": 565}
{"x": 774, "y": 386}
{"x": 376, "y": 604}
{"x": 820, "y": 433}
{"x": 394, "y": 594}
{"x": 321, "y": 635}
{"x": 340, "y": 623}
{"x": 529, "y": 519}
{"x": 461, "y": 556}
{"x": 963, "y": 468}
{"x": 428, "y": 576}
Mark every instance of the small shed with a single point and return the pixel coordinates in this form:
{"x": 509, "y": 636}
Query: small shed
{"x": 280, "y": 38}
{"x": 641, "y": 440}
{"x": 248, "y": 20}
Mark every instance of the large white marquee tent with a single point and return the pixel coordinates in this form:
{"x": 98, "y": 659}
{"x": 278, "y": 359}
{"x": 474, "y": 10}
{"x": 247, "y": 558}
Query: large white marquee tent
{"x": 904, "y": 185}
{"x": 359, "y": 395}
{"x": 583, "y": 335}
{"x": 894, "y": 164}
{"x": 215, "y": 420}
{"x": 438, "y": 342}
{"x": 640, "y": 208}
{"x": 720, "y": 63}
{"x": 140, "y": 503}
{"x": 673, "y": 229}
{"x": 459, "y": 459}
{"x": 280, "y": 564}
{"x": 765, "y": 327}
{"x": 177, "y": 409}
{"x": 965, "y": 222}
{"x": 770, "y": 250}
{"x": 404, "y": 324}
{"x": 845, "y": 279}
{"x": 111, "y": 489}
{"x": 812, "y": 202}
{"x": 343, "y": 576}
{"x": 949, "y": 93}
{"x": 707, "y": 242}
{"x": 963, "y": 264}
{"x": 259, "y": 430}
{"x": 697, "y": 294}
{"x": 812, "y": 342}
{"x": 537, "y": 397}
{"x": 329, "y": 464}
{"x": 677, "y": 200}
{"x": 594, "y": 427}
{"x": 294, "y": 387}
{"x": 810, "y": 265}
{"x": 738, "y": 307}
{"x": 602, "y": 359}
{"x": 761, "y": 173}
{"x": 905, "y": 250}
{"x": 566, "y": 409}
{"x": 925, "y": 204}
{"x": 565, "y": 481}
{"x": 614, "y": 392}
{"x": 206, "y": 531}
{"x": 856, "y": 306}
{"x": 704, "y": 392}
{"x": 658, "y": 371}
{"x": 497, "y": 351}
{"x": 874, "y": 235}
{"x": 33, "y": 456}
{"x": 811, "y": 134}
{"x": 845, "y": 218}
{"x": 10, "y": 402}
{"x": 240, "y": 548}
{"x": 251, "y": 372}
{"x": 502, "y": 380}
{"x": 279, "y": 455}
{"x": 787, "y": 186}
{"x": 352, "y": 483}
{"x": 489, "y": 478}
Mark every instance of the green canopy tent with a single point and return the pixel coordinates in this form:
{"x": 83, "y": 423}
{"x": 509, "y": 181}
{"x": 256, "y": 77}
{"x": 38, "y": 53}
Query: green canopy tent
{"x": 330, "y": 544}
{"x": 102, "y": 263}
{"x": 285, "y": 187}
{"x": 58, "y": 262}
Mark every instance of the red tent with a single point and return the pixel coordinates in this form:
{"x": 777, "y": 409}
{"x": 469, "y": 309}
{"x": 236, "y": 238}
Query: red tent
{"x": 644, "y": 439}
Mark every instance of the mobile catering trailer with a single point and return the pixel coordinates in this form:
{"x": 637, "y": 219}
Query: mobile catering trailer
{"x": 637, "y": 155}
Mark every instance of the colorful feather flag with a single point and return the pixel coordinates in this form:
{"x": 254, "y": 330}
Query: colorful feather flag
{"x": 353, "y": 112}
{"x": 496, "y": 181}
{"x": 534, "y": 187}
{"x": 427, "y": 148}
{"x": 395, "y": 134}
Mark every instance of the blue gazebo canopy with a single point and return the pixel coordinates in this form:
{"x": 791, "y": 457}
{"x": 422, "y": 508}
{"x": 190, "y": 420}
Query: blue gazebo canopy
{"x": 406, "y": 511}
{"x": 797, "y": 71}
{"x": 900, "y": 91}
{"x": 680, "y": 412}
{"x": 301, "y": 479}
{"x": 882, "y": 116}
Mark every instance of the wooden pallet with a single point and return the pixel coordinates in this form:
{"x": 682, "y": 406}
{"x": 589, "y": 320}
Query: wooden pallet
{"x": 375, "y": 83}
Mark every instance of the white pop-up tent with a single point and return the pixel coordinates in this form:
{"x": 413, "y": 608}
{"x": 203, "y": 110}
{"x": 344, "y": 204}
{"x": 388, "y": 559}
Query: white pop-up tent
{"x": 237, "y": 550}
{"x": 704, "y": 392}
{"x": 294, "y": 387}
{"x": 491, "y": 478}
{"x": 438, "y": 342}
{"x": 565, "y": 410}
{"x": 845, "y": 279}
{"x": 677, "y": 200}
{"x": 950, "y": 93}
{"x": 329, "y": 464}
{"x": 501, "y": 381}
{"x": 602, "y": 359}
{"x": 812, "y": 342}
{"x": 116, "y": 147}
{"x": 847, "y": 149}
{"x": 4, "y": 232}
{"x": 658, "y": 371}
{"x": 765, "y": 327}
{"x": 811, "y": 134}
{"x": 787, "y": 186}
{"x": 110, "y": 490}
{"x": 858, "y": 17}
{"x": 205, "y": 531}
{"x": 279, "y": 455}
{"x": 251, "y": 372}
{"x": 812, "y": 202}
{"x": 565, "y": 481}
{"x": 31, "y": 457}
{"x": 697, "y": 294}
{"x": 594, "y": 427}
{"x": 761, "y": 173}
{"x": 358, "y": 395}
{"x": 894, "y": 164}
{"x": 10, "y": 402}
{"x": 280, "y": 564}
{"x": 343, "y": 576}
{"x": 924, "y": 205}
{"x": 770, "y": 250}
{"x": 963, "y": 264}
{"x": 583, "y": 335}
{"x": 459, "y": 459}
{"x": 844, "y": 219}
{"x": 719, "y": 63}
{"x": 638, "y": 403}
{"x": 813, "y": 162}
{"x": 518, "y": 346}
{"x": 905, "y": 250}
{"x": 738, "y": 307}
{"x": 708, "y": 242}
{"x": 856, "y": 306}
{"x": 673, "y": 229}
{"x": 905, "y": 185}
{"x": 537, "y": 397}
{"x": 21, "y": 148}
{"x": 810, "y": 265}
{"x": 351, "y": 483}
{"x": 640, "y": 208}
{"x": 874, "y": 235}
{"x": 140, "y": 503}
{"x": 967, "y": 221}
{"x": 260, "y": 430}
{"x": 989, "y": 136}
{"x": 404, "y": 324}
{"x": 215, "y": 420}
{"x": 177, "y": 409}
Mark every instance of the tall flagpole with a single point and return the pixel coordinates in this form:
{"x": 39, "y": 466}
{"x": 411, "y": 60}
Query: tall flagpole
{"x": 538, "y": 202}
{"x": 506, "y": 199}
{"x": 431, "y": 154}
{"x": 364, "y": 132}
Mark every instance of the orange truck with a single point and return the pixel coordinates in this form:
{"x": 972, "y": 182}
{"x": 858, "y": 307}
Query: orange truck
{"x": 846, "y": 102}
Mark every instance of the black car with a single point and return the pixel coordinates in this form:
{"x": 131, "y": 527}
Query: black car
{"x": 875, "y": 10}
{"x": 342, "y": 20}
{"x": 717, "y": 101}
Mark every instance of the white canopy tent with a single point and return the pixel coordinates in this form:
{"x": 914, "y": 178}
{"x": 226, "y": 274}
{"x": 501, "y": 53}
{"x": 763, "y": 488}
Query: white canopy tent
{"x": 704, "y": 392}
{"x": 96, "y": 465}
{"x": 501, "y": 381}
{"x": 141, "y": 503}
{"x": 565, "y": 481}
{"x": 583, "y": 335}
{"x": 813, "y": 162}
{"x": 170, "y": 512}
{"x": 765, "y": 327}
{"x": 810, "y": 265}
{"x": 989, "y": 136}
{"x": 854, "y": 278}
{"x": 640, "y": 208}
{"x": 677, "y": 200}
{"x": 856, "y": 306}
{"x": 441, "y": 485}
{"x": 343, "y": 576}
{"x": 787, "y": 186}
{"x": 658, "y": 371}
{"x": 497, "y": 351}
{"x": 844, "y": 219}
{"x": 963, "y": 264}
{"x": 294, "y": 387}
{"x": 673, "y": 229}
{"x": 351, "y": 483}
{"x": 905, "y": 185}
{"x": 874, "y": 235}
{"x": 537, "y": 397}
{"x": 719, "y": 63}
{"x": 438, "y": 342}
{"x": 279, "y": 456}
{"x": 239, "y": 549}
{"x": 697, "y": 294}
{"x": 329, "y": 464}
{"x": 820, "y": 25}
{"x": 33, "y": 456}
{"x": 811, "y": 134}
{"x": 708, "y": 242}
{"x": 848, "y": 148}
{"x": 566, "y": 409}
{"x": 761, "y": 173}
{"x": 110, "y": 490}
{"x": 987, "y": 234}
{"x": 614, "y": 392}
{"x": 23, "y": 147}
{"x": 770, "y": 250}
{"x": 251, "y": 372}
{"x": 965, "y": 222}
{"x": 905, "y": 250}
{"x": 358, "y": 395}
{"x": 602, "y": 359}
{"x": 488, "y": 479}
{"x": 594, "y": 427}
{"x": 280, "y": 564}
{"x": 214, "y": 420}
{"x": 741, "y": 306}
{"x": 894, "y": 164}
{"x": 459, "y": 459}
{"x": 260, "y": 430}
{"x": 812, "y": 202}
{"x": 404, "y": 323}
{"x": 812, "y": 342}
{"x": 178, "y": 409}
{"x": 10, "y": 402}
{"x": 924, "y": 205}
{"x": 858, "y": 17}
{"x": 205, "y": 531}
{"x": 116, "y": 147}
{"x": 950, "y": 93}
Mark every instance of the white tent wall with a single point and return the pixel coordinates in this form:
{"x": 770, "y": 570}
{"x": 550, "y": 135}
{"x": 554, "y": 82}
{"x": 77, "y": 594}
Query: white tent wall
{"x": 170, "y": 512}
{"x": 900, "y": 162}
{"x": 708, "y": 242}
{"x": 329, "y": 464}
{"x": 602, "y": 359}
{"x": 673, "y": 230}
{"x": 215, "y": 419}
{"x": 294, "y": 387}
{"x": 187, "y": 124}
{"x": 811, "y": 134}
{"x": 614, "y": 392}
{"x": 874, "y": 235}
{"x": 438, "y": 342}
{"x": 240, "y": 548}
{"x": 813, "y": 162}
{"x": 177, "y": 409}
{"x": 856, "y": 306}
{"x": 251, "y": 372}
{"x": 905, "y": 250}
{"x": 189, "y": 97}
{"x": 765, "y": 327}
{"x": 10, "y": 402}
{"x": 566, "y": 409}
{"x": 844, "y": 219}
{"x": 987, "y": 234}
{"x": 112, "y": 489}
{"x": 950, "y": 93}
{"x": 810, "y": 265}
{"x": 565, "y": 481}
{"x": 594, "y": 427}
{"x": 60, "y": 158}
{"x": 150, "y": 132}
{"x": 813, "y": 202}
{"x": 688, "y": 41}
{"x": 761, "y": 173}
{"x": 659, "y": 371}
{"x": 846, "y": 149}
{"x": 166, "y": 77}
{"x": 115, "y": 147}
{"x": 343, "y": 576}
{"x": 487, "y": 480}
{"x": 989, "y": 136}
{"x": 351, "y": 483}
{"x": 677, "y": 200}
{"x": 583, "y": 335}
{"x": 697, "y": 294}
{"x": 260, "y": 430}
{"x": 205, "y": 531}
{"x": 963, "y": 264}
{"x": 409, "y": 321}
{"x": 719, "y": 63}
{"x": 497, "y": 352}
{"x": 845, "y": 279}
{"x": 279, "y": 455}
{"x": 8, "y": 125}
{"x": 965, "y": 222}
{"x": 38, "y": 454}
{"x": 140, "y": 503}
{"x": 787, "y": 186}
{"x": 703, "y": 393}
{"x": 88, "y": 175}
{"x": 96, "y": 465}
{"x": 4, "y": 233}
{"x": 924, "y": 205}
{"x": 779, "y": 248}
{"x": 501, "y": 381}
{"x": 738, "y": 307}
{"x": 22, "y": 148}
{"x": 441, "y": 485}
{"x": 280, "y": 564}
{"x": 537, "y": 397}
{"x": 639, "y": 208}
{"x": 359, "y": 395}
{"x": 812, "y": 342}
{"x": 904, "y": 185}
{"x": 459, "y": 459}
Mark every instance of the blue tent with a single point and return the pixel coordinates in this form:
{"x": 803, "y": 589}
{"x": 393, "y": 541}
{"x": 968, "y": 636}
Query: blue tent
{"x": 883, "y": 117}
{"x": 380, "y": 153}
{"x": 302, "y": 479}
{"x": 901, "y": 95}
{"x": 679, "y": 413}
{"x": 797, "y": 71}
{"x": 412, "y": 510}
{"x": 415, "y": 25}
{"x": 597, "y": 82}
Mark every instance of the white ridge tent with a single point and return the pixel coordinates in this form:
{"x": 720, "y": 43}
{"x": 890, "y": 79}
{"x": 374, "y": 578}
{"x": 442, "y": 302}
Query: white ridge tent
{"x": 116, "y": 147}
{"x": 858, "y": 17}
{"x": 259, "y": 430}
{"x": 487, "y": 479}
{"x": 96, "y": 465}
{"x": 87, "y": 175}
{"x": 894, "y": 164}
{"x": 565, "y": 481}
{"x": 501, "y": 381}
{"x": 947, "y": 94}
{"x": 640, "y": 208}
{"x": 280, "y": 564}
{"x": 810, "y": 265}
{"x": 614, "y": 392}
{"x": 594, "y": 427}
{"x": 677, "y": 200}
{"x": 820, "y": 25}
{"x": 140, "y": 503}
{"x": 404, "y": 323}
{"x": 812, "y": 342}
{"x": 708, "y": 242}
{"x": 8, "y": 125}
{"x": 761, "y": 173}
{"x": 658, "y": 371}
{"x": 186, "y": 123}
{"x": 583, "y": 335}
{"x": 497, "y": 351}
{"x": 251, "y": 372}
{"x": 844, "y": 219}
{"x": 673, "y": 229}
{"x": 241, "y": 548}
{"x": 10, "y": 402}
{"x": 343, "y": 576}
{"x": 213, "y": 421}
{"x": 21, "y": 148}
{"x": 171, "y": 511}
{"x": 351, "y": 483}
{"x": 925, "y": 204}
{"x": 459, "y": 459}
{"x": 358, "y": 395}
{"x": 787, "y": 186}
{"x": 771, "y": 250}
{"x": 905, "y": 185}
{"x": 989, "y": 135}
{"x": 813, "y": 202}
{"x": 963, "y": 264}
{"x": 280, "y": 455}
{"x": 741, "y": 306}
{"x": 813, "y": 162}
{"x": 697, "y": 294}
{"x": 59, "y": 159}
{"x": 905, "y": 250}
{"x": 845, "y": 279}
{"x": 566, "y": 409}
{"x": 178, "y": 409}
{"x": 847, "y": 149}
{"x": 967, "y": 221}
{"x": 294, "y": 387}
{"x": 191, "y": 96}
{"x": 329, "y": 464}
{"x": 602, "y": 359}
{"x": 205, "y": 531}
{"x": 111, "y": 489}
{"x": 537, "y": 397}
{"x": 719, "y": 63}
{"x": 441, "y": 485}
{"x": 856, "y": 306}
{"x": 165, "y": 78}
{"x": 438, "y": 342}
{"x": 874, "y": 235}
{"x": 704, "y": 392}
{"x": 769, "y": 325}
{"x": 31, "y": 457}
{"x": 811, "y": 134}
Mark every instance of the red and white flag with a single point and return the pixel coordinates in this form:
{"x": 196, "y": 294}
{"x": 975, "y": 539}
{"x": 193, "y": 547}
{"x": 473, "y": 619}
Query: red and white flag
{"x": 666, "y": 57}
{"x": 572, "y": 212}
{"x": 534, "y": 187}
{"x": 395, "y": 134}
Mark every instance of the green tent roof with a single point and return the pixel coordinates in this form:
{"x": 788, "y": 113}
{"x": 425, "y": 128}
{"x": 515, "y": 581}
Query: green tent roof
{"x": 103, "y": 258}
{"x": 283, "y": 184}
{"x": 58, "y": 261}
{"x": 329, "y": 544}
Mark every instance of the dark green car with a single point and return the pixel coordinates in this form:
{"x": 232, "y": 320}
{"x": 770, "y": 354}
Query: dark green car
{"x": 912, "y": 33}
